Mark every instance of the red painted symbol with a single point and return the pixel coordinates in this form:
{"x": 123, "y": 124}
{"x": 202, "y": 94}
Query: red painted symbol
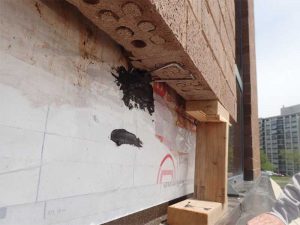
{"x": 166, "y": 172}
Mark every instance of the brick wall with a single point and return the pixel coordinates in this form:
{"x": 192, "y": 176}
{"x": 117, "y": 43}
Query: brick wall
{"x": 206, "y": 29}
{"x": 199, "y": 35}
{"x": 251, "y": 130}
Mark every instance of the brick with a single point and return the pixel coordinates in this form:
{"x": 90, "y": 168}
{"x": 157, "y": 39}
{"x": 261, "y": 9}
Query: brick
{"x": 225, "y": 40}
{"x": 212, "y": 35}
{"x": 175, "y": 16}
{"x": 228, "y": 26}
{"x": 230, "y": 4}
{"x": 196, "y": 8}
{"x": 179, "y": 24}
{"x": 214, "y": 40}
{"x": 215, "y": 12}
{"x": 201, "y": 54}
{"x": 251, "y": 135}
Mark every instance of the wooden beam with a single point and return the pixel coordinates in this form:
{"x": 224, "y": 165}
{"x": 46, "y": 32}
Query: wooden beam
{"x": 211, "y": 162}
{"x": 207, "y": 111}
{"x": 211, "y": 150}
{"x": 210, "y": 186}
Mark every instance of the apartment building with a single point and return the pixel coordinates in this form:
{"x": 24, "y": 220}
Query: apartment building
{"x": 280, "y": 138}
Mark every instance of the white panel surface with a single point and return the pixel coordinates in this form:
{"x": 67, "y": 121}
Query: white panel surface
{"x": 26, "y": 115}
{"x": 59, "y": 105}
{"x": 18, "y": 187}
{"x": 19, "y": 149}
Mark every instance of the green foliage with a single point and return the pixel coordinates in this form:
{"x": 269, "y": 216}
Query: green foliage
{"x": 291, "y": 156}
{"x": 297, "y": 158}
{"x": 265, "y": 163}
{"x": 282, "y": 181}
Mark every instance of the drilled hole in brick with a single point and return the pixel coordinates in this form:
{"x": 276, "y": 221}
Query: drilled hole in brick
{"x": 108, "y": 16}
{"x": 92, "y": 2}
{"x": 139, "y": 44}
{"x": 146, "y": 26}
{"x": 124, "y": 31}
{"x": 157, "y": 40}
{"x": 185, "y": 90}
{"x": 132, "y": 9}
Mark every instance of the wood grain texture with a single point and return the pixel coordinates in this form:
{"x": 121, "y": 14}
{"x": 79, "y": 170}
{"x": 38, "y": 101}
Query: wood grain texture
{"x": 211, "y": 162}
{"x": 211, "y": 111}
{"x": 194, "y": 212}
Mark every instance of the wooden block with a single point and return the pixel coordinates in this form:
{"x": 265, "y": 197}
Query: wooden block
{"x": 194, "y": 212}
{"x": 210, "y": 111}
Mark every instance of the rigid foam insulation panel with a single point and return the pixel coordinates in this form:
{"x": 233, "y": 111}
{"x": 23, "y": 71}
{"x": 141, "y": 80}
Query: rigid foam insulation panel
{"x": 59, "y": 105}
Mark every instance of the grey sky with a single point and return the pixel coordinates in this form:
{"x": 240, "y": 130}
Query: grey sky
{"x": 278, "y": 54}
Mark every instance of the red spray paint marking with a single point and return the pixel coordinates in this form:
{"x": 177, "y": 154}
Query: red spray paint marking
{"x": 165, "y": 172}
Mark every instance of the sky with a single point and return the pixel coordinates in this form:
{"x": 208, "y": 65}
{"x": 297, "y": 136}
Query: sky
{"x": 277, "y": 33}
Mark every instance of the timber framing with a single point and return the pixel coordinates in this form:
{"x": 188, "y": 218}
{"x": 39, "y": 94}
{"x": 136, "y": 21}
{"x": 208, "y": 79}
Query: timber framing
{"x": 211, "y": 150}
{"x": 207, "y": 111}
{"x": 211, "y": 163}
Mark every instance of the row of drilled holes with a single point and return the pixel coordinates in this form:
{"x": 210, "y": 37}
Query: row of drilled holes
{"x": 93, "y": 2}
{"x": 135, "y": 43}
{"x": 140, "y": 44}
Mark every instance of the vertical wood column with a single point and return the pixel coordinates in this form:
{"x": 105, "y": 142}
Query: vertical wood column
{"x": 211, "y": 162}
{"x": 211, "y": 150}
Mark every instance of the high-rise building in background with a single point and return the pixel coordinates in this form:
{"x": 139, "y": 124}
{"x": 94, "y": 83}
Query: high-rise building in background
{"x": 280, "y": 139}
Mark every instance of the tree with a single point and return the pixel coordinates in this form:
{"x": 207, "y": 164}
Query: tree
{"x": 292, "y": 157}
{"x": 265, "y": 163}
{"x": 297, "y": 158}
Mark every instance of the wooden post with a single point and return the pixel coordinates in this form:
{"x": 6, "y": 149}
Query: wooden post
{"x": 210, "y": 167}
{"x": 211, "y": 162}
{"x": 211, "y": 150}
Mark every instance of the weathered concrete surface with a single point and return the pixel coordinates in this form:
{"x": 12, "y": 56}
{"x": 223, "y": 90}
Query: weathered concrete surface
{"x": 200, "y": 35}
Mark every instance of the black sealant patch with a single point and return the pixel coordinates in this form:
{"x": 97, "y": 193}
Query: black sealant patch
{"x": 122, "y": 136}
{"x": 136, "y": 87}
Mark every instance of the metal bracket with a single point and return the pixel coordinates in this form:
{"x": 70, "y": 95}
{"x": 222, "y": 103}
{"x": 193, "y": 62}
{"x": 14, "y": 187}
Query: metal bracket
{"x": 167, "y": 66}
{"x": 238, "y": 77}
